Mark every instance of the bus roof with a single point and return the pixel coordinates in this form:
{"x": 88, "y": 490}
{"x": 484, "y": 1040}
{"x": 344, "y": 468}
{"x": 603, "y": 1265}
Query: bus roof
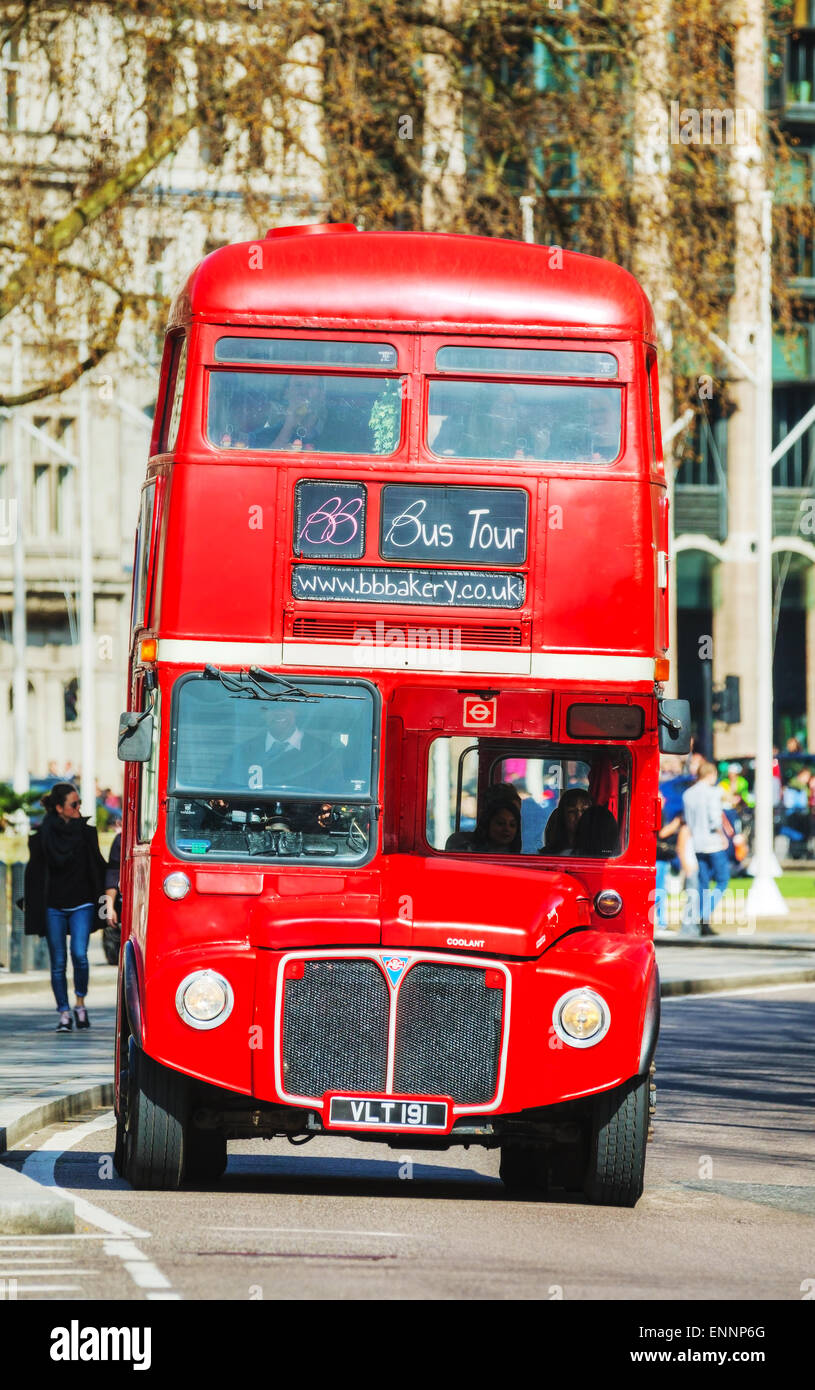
{"x": 343, "y": 279}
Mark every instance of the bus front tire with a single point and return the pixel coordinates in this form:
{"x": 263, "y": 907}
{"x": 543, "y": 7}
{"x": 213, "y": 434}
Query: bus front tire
{"x": 157, "y": 1110}
{"x": 616, "y": 1166}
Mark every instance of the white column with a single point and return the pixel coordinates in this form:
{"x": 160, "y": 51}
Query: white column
{"x": 764, "y": 898}
{"x": 19, "y": 624}
{"x": 442, "y": 823}
{"x": 87, "y": 650}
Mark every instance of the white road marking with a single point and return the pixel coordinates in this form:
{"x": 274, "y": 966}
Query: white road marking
{"x": 743, "y": 989}
{"x": 41, "y": 1164}
{"x": 49, "y": 1288}
{"x": 314, "y": 1231}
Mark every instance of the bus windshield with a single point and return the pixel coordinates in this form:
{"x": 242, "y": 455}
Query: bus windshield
{"x": 522, "y": 420}
{"x": 271, "y": 770}
{"x": 303, "y": 411}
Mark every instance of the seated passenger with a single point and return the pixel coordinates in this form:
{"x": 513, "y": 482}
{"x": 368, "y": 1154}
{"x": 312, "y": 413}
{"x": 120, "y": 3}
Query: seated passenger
{"x": 451, "y": 437}
{"x": 246, "y": 421}
{"x": 498, "y": 830}
{"x": 560, "y": 836}
{"x": 597, "y": 833}
{"x": 304, "y": 422}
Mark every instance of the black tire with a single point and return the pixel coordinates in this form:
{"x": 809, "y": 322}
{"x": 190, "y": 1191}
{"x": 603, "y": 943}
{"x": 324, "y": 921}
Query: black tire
{"x": 616, "y": 1166}
{"x": 157, "y": 1116}
{"x": 522, "y": 1169}
{"x": 204, "y": 1155}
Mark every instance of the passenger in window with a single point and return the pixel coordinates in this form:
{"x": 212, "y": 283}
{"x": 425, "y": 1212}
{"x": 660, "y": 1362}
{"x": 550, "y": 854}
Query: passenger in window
{"x": 247, "y": 423}
{"x": 499, "y": 425}
{"x": 560, "y": 836}
{"x": 597, "y": 833}
{"x": 605, "y": 427}
{"x": 498, "y": 828}
{"x": 304, "y": 422}
{"x": 452, "y": 438}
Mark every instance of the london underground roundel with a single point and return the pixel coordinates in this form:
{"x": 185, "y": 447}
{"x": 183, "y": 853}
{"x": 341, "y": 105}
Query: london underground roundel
{"x": 480, "y": 714}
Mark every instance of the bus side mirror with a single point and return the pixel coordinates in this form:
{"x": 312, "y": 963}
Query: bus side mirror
{"x": 673, "y": 718}
{"x": 135, "y": 737}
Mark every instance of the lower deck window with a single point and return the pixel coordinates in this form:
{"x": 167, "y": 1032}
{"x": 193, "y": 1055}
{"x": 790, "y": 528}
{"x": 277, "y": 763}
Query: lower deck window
{"x": 493, "y": 797}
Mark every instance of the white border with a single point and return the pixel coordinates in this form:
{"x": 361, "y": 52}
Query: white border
{"x": 586, "y": 666}
{"x": 384, "y": 657}
{"x": 375, "y": 954}
{"x": 561, "y": 666}
{"x": 251, "y": 653}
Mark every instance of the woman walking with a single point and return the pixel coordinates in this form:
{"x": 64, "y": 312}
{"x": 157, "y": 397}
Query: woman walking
{"x": 64, "y": 880}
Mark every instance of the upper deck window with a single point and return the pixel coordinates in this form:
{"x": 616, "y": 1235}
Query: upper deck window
{"x": 317, "y": 414}
{"x": 547, "y": 424}
{"x": 305, "y": 352}
{"x": 537, "y": 361}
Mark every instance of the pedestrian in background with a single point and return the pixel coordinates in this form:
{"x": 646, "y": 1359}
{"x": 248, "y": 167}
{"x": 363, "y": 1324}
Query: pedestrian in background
{"x": 64, "y": 880}
{"x": 710, "y": 831}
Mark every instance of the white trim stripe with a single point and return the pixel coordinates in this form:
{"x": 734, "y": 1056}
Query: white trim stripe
{"x": 560, "y": 666}
{"x": 379, "y": 657}
{"x": 577, "y": 666}
{"x": 192, "y": 652}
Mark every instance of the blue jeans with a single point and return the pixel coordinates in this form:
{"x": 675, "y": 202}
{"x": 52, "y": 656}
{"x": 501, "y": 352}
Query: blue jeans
{"x": 59, "y": 921}
{"x": 715, "y": 866}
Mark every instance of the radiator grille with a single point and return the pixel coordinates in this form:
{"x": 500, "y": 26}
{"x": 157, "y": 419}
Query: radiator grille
{"x": 448, "y": 1033}
{"x": 347, "y": 630}
{"x": 335, "y": 1028}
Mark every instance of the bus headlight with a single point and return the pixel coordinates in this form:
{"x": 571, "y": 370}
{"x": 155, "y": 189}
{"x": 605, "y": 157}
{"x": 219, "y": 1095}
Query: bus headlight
{"x": 581, "y": 1018}
{"x": 204, "y": 999}
{"x": 176, "y": 886}
{"x": 608, "y": 903}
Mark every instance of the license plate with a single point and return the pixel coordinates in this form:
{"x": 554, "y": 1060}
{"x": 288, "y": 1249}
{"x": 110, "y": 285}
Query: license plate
{"x": 387, "y": 1113}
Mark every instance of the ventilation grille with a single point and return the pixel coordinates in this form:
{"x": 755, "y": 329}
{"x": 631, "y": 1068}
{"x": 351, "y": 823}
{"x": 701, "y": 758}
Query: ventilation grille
{"x": 335, "y": 1028}
{"x": 348, "y": 629}
{"x": 447, "y": 1036}
{"x": 448, "y": 1033}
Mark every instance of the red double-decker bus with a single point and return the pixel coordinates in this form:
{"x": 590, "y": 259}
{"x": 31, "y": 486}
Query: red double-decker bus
{"x": 399, "y": 631}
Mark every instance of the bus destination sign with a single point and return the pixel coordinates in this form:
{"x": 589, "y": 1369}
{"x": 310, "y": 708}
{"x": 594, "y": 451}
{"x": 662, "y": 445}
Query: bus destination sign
{"x": 430, "y": 588}
{"x": 461, "y": 525}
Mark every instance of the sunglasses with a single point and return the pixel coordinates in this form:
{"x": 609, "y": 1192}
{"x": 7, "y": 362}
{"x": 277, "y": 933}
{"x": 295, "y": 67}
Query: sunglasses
{"x": 72, "y": 805}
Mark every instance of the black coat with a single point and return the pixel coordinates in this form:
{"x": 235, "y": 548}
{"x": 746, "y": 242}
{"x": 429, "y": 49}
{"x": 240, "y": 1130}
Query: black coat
{"x": 35, "y": 882}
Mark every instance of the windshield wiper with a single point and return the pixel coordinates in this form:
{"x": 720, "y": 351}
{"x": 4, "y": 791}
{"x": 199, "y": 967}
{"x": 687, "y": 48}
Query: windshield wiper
{"x": 237, "y": 686}
{"x": 257, "y": 673}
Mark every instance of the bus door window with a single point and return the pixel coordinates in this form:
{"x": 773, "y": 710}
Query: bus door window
{"x": 148, "y": 782}
{"x": 568, "y": 801}
{"x": 303, "y": 411}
